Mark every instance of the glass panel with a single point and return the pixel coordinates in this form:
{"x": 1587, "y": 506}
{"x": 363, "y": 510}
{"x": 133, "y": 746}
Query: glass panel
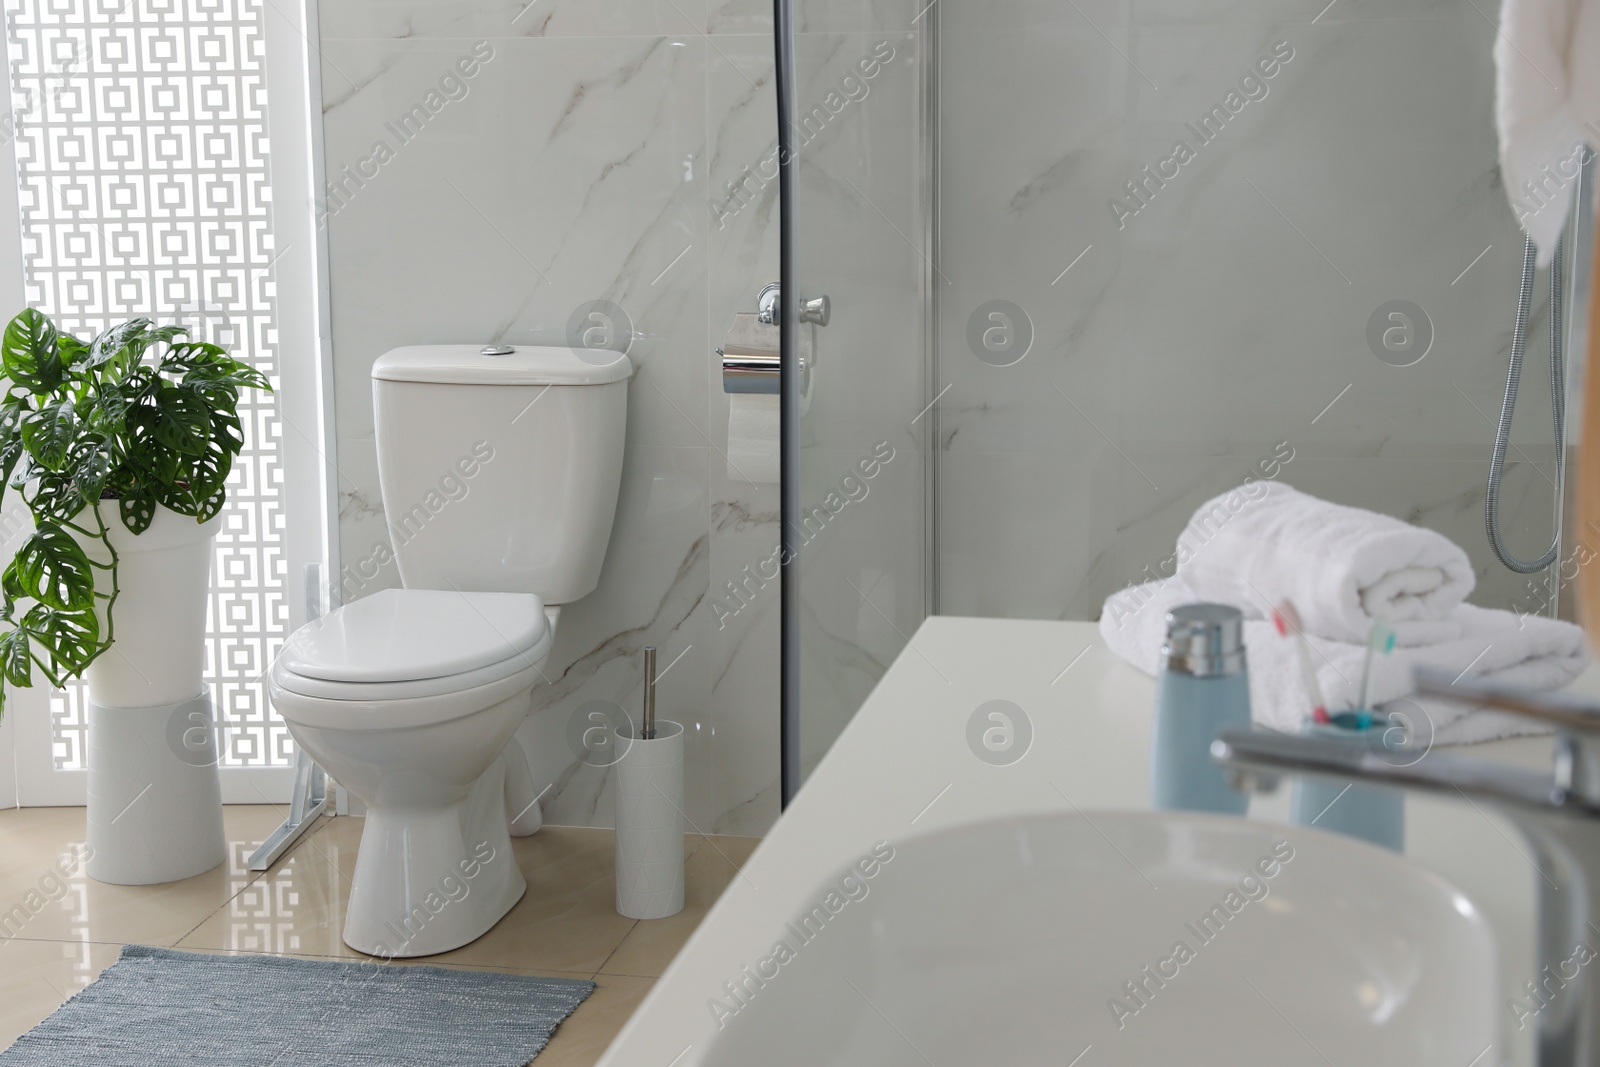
{"x": 1207, "y": 219}
{"x": 140, "y": 133}
{"x": 859, "y": 239}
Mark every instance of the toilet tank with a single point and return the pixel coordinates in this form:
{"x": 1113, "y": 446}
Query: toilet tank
{"x": 500, "y": 472}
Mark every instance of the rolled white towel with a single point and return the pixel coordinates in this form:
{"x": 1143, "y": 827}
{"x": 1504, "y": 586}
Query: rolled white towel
{"x": 1528, "y": 651}
{"x": 1343, "y": 567}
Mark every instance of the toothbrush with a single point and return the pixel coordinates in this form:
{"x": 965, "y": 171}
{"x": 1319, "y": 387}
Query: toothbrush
{"x": 1287, "y": 620}
{"x": 1381, "y": 635}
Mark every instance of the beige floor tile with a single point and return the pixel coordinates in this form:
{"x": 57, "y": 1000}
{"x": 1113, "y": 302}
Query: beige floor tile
{"x": 580, "y": 1040}
{"x": 36, "y": 903}
{"x": 652, "y": 944}
{"x": 296, "y": 908}
{"x": 567, "y": 920}
{"x": 37, "y": 976}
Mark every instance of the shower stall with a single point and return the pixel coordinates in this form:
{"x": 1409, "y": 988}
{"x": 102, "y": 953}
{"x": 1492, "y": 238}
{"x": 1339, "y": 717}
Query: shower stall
{"x": 1092, "y": 263}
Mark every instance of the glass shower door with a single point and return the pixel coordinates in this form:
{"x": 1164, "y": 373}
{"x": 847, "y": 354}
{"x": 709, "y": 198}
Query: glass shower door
{"x": 857, "y": 413}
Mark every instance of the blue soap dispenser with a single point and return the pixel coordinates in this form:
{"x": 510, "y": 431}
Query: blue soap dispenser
{"x": 1203, "y": 688}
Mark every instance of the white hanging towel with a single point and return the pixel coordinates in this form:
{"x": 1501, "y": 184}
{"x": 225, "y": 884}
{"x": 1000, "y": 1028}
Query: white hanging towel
{"x": 1547, "y": 105}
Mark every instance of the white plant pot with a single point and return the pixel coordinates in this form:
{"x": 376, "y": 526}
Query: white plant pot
{"x": 164, "y": 575}
{"x": 155, "y": 803}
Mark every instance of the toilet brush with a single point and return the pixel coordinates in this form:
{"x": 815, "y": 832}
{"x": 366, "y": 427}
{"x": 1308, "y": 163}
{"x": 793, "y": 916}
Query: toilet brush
{"x": 649, "y": 784}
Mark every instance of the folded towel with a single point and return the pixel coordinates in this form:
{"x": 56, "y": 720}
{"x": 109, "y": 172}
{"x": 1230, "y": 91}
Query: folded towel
{"x": 1547, "y": 103}
{"x": 1343, "y": 567}
{"x": 1530, "y": 651}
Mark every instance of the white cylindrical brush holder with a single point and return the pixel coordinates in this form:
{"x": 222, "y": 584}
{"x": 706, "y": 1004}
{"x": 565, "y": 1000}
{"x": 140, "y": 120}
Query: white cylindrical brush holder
{"x": 649, "y": 783}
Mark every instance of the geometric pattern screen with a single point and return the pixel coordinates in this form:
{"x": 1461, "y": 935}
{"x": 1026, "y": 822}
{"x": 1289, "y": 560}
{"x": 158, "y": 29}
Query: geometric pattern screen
{"x": 140, "y": 129}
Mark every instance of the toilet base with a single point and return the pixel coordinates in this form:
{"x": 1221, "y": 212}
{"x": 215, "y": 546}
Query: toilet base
{"x": 432, "y": 880}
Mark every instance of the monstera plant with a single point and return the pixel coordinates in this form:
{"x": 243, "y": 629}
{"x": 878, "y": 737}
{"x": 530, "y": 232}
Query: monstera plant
{"x": 94, "y": 433}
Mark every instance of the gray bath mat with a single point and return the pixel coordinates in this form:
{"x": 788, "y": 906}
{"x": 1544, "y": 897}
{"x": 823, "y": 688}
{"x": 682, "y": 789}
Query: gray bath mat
{"x": 157, "y": 1007}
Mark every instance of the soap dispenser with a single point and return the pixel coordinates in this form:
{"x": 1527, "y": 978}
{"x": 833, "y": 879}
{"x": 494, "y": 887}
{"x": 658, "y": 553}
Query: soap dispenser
{"x": 1203, "y": 689}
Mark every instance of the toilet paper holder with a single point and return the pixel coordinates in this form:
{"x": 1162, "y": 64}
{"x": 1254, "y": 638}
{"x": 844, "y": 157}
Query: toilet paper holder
{"x": 751, "y": 355}
{"x": 750, "y": 372}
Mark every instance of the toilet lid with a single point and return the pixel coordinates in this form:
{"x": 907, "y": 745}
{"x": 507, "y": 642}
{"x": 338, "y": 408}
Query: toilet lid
{"x": 402, "y": 635}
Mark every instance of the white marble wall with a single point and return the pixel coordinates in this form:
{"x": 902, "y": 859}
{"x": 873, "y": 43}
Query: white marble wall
{"x": 586, "y": 159}
{"x": 1230, "y": 311}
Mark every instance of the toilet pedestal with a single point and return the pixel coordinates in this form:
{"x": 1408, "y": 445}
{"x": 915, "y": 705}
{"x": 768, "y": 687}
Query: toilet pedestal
{"x": 431, "y": 880}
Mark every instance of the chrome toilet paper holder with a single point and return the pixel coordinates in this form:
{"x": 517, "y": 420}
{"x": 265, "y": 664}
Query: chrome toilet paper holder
{"x": 755, "y": 367}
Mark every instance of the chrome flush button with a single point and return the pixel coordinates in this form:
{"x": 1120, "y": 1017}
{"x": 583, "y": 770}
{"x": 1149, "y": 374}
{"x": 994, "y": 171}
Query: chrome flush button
{"x": 496, "y": 350}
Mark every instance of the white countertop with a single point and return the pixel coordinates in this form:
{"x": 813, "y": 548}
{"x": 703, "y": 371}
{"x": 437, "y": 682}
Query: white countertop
{"x": 904, "y": 767}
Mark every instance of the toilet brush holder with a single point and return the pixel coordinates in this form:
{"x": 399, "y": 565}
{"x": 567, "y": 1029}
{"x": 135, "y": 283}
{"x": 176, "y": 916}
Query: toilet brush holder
{"x": 649, "y": 784}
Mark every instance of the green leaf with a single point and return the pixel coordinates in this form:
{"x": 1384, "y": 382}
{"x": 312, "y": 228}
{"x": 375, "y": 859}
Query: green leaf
{"x": 24, "y": 469}
{"x": 208, "y": 508}
{"x": 71, "y": 636}
{"x": 105, "y": 413}
{"x": 210, "y": 365}
{"x": 48, "y": 433}
{"x": 53, "y": 569}
{"x": 14, "y": 661}
{"x": 29, "y": 354}
{"x": 91, "y": 470}
{"x": 123, "y": 340}
{"x": 72, "y": 351}
{"x": 55, "y": 497}
{"x": 184, "y": 422}
{"x": 138, "y": 508}
{"x": 11, "y": 414}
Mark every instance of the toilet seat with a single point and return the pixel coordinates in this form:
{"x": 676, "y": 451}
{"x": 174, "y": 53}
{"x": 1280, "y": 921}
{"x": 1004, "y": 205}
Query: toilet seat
{"x": 355, "y": 714}
{"x": 403, "y": 635}
{"x": 388, "y": 660}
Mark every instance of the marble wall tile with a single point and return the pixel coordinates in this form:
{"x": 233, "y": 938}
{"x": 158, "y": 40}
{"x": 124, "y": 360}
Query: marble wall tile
{"x": 386, "y": 19}
{"x": 1103, "y": 529}
{"x": 1230, "y": 311}
{"x": 856, "y": 16}
{"x": 739, "y": 16}
{"x": 577, "y": 163}
{"x": 860, "y": 199}
{"x": 651, "y": 593}
{"x": 742, "y": 622}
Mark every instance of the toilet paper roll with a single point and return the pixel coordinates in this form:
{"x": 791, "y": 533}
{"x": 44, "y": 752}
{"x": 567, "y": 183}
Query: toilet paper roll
{"x": 649, "y": 780}
{"x": 753, "y": 438}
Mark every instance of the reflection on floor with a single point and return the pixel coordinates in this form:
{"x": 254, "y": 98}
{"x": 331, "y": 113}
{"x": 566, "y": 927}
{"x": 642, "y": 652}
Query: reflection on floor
{"x": 56, "y": 936}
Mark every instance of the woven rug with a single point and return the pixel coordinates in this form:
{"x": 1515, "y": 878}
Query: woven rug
{"x": 156, "y": 1007}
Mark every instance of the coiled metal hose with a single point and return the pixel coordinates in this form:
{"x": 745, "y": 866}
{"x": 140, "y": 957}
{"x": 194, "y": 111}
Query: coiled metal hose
{"x": 1508, "y": 408}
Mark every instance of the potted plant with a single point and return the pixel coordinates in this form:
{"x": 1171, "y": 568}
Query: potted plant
{"x": 121, "y": 447}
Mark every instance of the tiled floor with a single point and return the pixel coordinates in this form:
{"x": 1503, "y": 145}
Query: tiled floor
{"x": 565, "y": 926}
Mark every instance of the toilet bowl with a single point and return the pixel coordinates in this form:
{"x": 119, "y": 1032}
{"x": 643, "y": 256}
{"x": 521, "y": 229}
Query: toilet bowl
{"x": 500, "y": 469}
{"x": 409, "y": 698}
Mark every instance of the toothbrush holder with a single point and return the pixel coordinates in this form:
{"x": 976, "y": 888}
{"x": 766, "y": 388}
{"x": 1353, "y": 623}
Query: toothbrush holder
{"x": 649, "y": 784}
{"x": 1375, "y": 815}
